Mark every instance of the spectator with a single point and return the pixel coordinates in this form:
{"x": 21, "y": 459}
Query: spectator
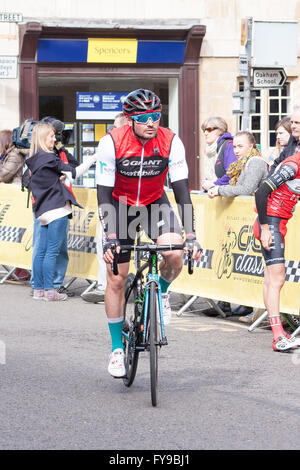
{"x": 97, "y": 294}
{"x": 283, "y": 133}
{"x": 247, "y": 173}
{"x": 120, "y": 120}
{"x": 219, "y": 152}
{"x": 11, "y": 164}
{"x": 12, "y": 159}
{"x": 5, "y": 142}
{"x": 218, "y": 156}
{"x": 293, "y": 145}
{"x": 63, "y": 258}
{"x": 52, "y": 206}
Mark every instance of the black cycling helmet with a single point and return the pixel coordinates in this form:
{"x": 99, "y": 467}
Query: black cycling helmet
{"x": 141, "y": 101}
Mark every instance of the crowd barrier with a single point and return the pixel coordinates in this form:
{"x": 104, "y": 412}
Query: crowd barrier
{"x": 16, "y": 232}
{"x": 231, "y": 268}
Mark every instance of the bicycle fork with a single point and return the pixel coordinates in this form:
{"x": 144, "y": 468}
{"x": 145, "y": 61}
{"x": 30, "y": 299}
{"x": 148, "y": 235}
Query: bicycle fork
{"x": 150, "y": 280}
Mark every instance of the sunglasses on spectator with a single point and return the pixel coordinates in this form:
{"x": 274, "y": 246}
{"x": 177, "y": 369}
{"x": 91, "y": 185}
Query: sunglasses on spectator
{"x": 143, "y": 118}
{"x": 210, "y": 129}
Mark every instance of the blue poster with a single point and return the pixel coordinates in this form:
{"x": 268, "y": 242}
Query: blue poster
{"x": 98, "y": 105}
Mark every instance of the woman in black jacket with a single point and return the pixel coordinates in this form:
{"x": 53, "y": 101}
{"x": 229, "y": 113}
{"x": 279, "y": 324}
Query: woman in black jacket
{"x": 52, "y": 206}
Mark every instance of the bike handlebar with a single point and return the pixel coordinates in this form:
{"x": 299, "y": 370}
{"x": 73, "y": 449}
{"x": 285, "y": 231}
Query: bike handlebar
{"x": 150, "y": 247}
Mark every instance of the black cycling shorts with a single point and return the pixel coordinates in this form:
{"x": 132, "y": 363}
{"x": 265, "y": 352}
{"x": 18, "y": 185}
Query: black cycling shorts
{"x": 278, "y": 231}
{"x": 155, "y": 219}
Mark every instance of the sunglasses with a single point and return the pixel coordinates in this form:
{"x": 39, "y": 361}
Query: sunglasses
{"x": 210, "y": 129}
{"x": 143, "y": 118}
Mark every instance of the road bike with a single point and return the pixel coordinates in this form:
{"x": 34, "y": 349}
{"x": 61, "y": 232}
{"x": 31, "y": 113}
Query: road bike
{"x": 143, "y": 326}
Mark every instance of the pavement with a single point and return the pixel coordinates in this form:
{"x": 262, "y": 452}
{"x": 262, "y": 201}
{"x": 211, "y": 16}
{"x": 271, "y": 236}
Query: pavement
{"x": 220, "y": 387}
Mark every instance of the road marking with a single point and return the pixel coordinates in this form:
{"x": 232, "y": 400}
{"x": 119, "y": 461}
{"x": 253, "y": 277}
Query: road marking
{"x": 194, "y": 324}
{"x": 205, "y": 328}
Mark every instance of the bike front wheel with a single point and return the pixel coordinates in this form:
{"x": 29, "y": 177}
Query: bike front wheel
{"x": 130, "y": 335}
{"x": 153, "y": 343}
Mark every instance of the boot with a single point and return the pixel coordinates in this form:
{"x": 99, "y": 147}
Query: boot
{"x": 211, "y": 312}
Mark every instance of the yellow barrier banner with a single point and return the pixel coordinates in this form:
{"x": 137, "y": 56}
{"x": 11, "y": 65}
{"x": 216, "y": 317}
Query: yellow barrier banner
{"x": 16, "y": 231}
{"x": 231, "y": 268}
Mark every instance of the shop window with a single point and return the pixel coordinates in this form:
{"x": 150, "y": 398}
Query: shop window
{"x": 255, "y": 118}
{"x": 270, "y": 106}
{"x": 279, "y": 104}
{"x": 51, "y": 106}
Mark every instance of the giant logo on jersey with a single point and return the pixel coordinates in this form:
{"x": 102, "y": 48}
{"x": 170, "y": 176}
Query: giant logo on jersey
{"x": 136, "y": 167}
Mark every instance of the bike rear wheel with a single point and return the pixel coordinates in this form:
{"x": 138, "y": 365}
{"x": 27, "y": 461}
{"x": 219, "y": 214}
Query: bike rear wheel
{"x": 130, "y": 335}
{"x": 153, "y": 343}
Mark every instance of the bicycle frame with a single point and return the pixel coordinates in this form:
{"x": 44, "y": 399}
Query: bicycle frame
{"x": 143, "y": 328}
{"x": 152, "y": 276}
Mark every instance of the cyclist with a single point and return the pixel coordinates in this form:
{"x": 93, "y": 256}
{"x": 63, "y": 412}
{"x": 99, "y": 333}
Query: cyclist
{"x": 275, "y": 200}
{"x": 133, "y": 163}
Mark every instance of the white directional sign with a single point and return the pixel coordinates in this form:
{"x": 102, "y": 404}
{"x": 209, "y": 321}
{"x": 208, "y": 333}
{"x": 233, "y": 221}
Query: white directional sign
{"x": 8, "y": 66}
{"x": 268, "y": 78}
{"x": 243, "y": 65}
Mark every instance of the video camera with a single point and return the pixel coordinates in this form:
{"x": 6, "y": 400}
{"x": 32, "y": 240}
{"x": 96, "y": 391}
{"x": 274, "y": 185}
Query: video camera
{"x": 57, "y": 125}
{"x": 22, "y": 134}
{"x": 61, "y": 134}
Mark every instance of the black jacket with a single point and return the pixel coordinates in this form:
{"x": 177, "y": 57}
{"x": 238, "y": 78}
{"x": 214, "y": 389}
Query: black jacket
{"x": 286, "y": 152}
{"x": 47, "y": 189}
{"x": 71, "y": 159}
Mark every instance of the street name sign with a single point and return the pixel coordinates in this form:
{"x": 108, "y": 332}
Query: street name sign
{"x": 268, "y": 78}
{"x": 11, "y": 17}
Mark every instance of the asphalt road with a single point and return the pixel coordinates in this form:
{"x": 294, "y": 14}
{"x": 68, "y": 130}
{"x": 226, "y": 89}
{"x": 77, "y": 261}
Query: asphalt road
{"x": 220, "y": 387}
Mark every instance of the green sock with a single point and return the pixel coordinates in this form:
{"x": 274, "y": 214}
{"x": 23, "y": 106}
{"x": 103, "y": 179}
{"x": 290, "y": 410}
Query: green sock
{"x": 115, "y": 328}
{"x": 164, "y": 285}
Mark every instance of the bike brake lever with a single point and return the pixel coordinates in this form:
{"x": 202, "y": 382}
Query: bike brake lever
{"x": 190, "y": 262}
{"x": 114, "y": 265}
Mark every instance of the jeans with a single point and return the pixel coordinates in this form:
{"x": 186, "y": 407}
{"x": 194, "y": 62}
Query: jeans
{"x": 62, "y": 260}
{"x": 51, "y": 240}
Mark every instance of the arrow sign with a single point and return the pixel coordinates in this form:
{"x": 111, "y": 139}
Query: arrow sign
{"x": 268, "y": 78}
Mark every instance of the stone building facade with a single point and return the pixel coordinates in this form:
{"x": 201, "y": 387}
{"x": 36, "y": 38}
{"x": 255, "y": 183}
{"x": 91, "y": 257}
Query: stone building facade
{"x": 188, "y": 51}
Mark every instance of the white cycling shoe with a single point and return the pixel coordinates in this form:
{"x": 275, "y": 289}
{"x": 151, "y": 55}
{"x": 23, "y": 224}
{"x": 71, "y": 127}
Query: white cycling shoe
{"x": 116, "y": 366}
{"x": 284, "y": 343}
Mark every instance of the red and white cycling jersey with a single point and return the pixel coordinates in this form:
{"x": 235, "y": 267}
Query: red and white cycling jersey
{"x": 138, "y": 171}
{"x": 285, "y": 195}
